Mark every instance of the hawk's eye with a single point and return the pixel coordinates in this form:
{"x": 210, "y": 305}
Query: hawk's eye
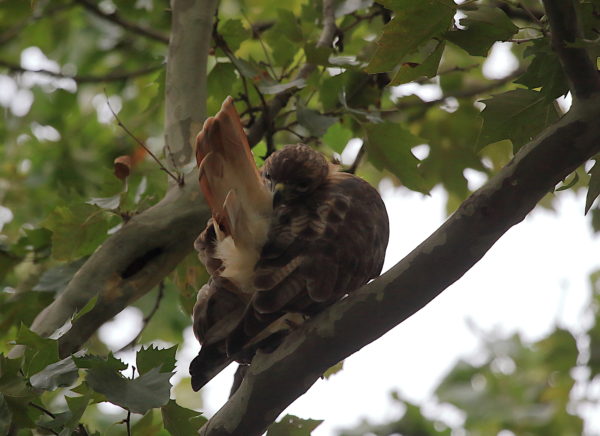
{"x": 303, "y": 185}
{"x": 267, "y": 176}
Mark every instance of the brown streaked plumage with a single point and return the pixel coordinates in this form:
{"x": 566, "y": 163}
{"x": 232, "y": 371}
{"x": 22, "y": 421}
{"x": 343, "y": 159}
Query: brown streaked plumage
{"x": 283, "y": 243}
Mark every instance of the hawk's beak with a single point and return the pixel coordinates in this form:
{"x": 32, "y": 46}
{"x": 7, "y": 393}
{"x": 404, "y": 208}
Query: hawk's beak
{"x": 278, "y": 192}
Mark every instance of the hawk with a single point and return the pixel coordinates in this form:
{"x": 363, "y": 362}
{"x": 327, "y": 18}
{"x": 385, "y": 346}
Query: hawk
{"x": 282, "y": 244}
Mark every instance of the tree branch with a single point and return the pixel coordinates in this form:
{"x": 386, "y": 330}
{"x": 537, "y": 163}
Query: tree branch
{"x": 279, "y": 101}
{"x": 106, "y": 78}
{"x": 275, "y": 380}
{"x": 125, "y": 24}
{"x": 185, "y": 112}
{"x": 565, "y": 28}
{"x": 136, "y": 258}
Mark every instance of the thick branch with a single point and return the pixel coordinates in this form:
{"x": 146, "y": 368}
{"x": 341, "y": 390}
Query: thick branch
{"x": 125, "y": 24}
{"x": 191, "y": 32}
{"x": 279, "y": 101}
{"x": 128, "y": 265}
{"x": 106, "y": 78}
{"x": 275, "y": 380}
{"x": 134, "y": 260}
{"x": 581, "y": 72}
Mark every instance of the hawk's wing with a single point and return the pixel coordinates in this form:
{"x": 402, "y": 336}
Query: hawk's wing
{"x": 286, "y": 261}
{"x": 316, "y": 252}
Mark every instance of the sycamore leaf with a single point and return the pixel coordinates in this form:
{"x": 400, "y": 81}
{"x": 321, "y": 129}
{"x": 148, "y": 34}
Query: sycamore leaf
{"x": 147, "y": 426}
{"x": 291, "y": 425}
{"x": 285, "y": 37}
{"x": 138, "y": 395}
{"x": 517, "y": 115}
{"x": 94, "y": 362}
{"x": 313, "y": 121}
{"x": 414, "y": 24}
{"x": 107, "y": 203}
{"x": 5, "y": 416}
{"x": 593, "y": 188}
{"x": 57, "y": 278}
{"x": 484, "y": 26}
{"x": 346, "y": 7}
{"x": 180, "y": 421}
{"x": 153, "y": 357}
{"x": 85, "y": 309}
{"x": 276, "y": 88}
{"x": 77, "y": 230}
{"x": 234, "y": 33}
{"x": 58, "y": 374}
{"x": 220, "y": 80}
{"x": 427, "y": 68}
{"x": 337, "y": 137}
{"x": 40, "y": 351}
{"x": 569, "y": 185}
{"x": 544, "y": 71}
{"x": 389, "y": 147}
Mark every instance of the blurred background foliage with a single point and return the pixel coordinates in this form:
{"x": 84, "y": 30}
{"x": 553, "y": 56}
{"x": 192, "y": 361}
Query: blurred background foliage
{"x": 66, "y": 64}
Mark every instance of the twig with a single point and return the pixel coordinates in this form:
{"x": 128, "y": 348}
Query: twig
{"x": 40, "y": 408}
{"x": 361, "y": 152}
{"x": 125, "y": 24}
{"x": 106, "y": 78}
{"x": 14, "y": 31}
{"x": 147, "y": 318}
{"x": 581, "y": 72}
{"x": 280, "y": 100}
{"x": 263, "y": 46}
{"x": 178, "y": 179}
{"x": 472, "y": 92}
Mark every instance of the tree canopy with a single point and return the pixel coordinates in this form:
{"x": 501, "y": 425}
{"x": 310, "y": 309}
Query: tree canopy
{"x": 100, "y": 203}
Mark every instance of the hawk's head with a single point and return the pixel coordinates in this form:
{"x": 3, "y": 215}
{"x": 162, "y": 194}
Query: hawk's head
{"x": 294, "y": 171}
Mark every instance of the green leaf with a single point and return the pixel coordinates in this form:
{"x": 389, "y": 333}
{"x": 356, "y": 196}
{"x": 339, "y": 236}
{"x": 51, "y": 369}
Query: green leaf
{"x": 153, "y": 357}
{"x": 544, "y": 71}
{"x": 85, "y": 309}
{"x": 484, "y": 26}
{"x": 59, "y": 374}
{"x": 334, "y": 369}
{"x": 180, "y": 421}
{"x": 313, "y": 121}
{"x": 276, "y": 88}
{"x": 57, "y": 278}
{"x": 337, "y": 137}
{"x": 220, "y": 80}
{"x": 5, "y": 416}
{"x": 517, "y": 115}
{"x": 285, "y": 37}
{"x": 77, "y": 230}
{"x": 414, "y": 24}
{"x": 39, "y": 238}
{"x": 40, "y": 352}
{"x": 291, "y": 425}
{"x": 316, "y": 55}
{"x": 389, "y": 147}
{"x": 234, "y": 33}
{"x": 427, "y": 68}
{"x": 138, "y": 395}
{"x": 107, "y": 203}
{"x": 146, "y": 426}
{"x": 91, "y": 361}
{"x": 569, "y": 185}
{"x": 593, "y": 188}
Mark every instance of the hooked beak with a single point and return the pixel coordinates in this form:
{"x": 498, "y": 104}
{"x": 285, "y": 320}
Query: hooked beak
{"x": 278, "y": 192}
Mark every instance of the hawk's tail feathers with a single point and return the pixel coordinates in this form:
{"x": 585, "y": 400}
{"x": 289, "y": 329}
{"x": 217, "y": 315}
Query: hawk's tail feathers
{"x": 226, "y": 167}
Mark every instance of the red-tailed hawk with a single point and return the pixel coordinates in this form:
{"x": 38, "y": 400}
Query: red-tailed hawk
{"x": 282, "y": 243}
